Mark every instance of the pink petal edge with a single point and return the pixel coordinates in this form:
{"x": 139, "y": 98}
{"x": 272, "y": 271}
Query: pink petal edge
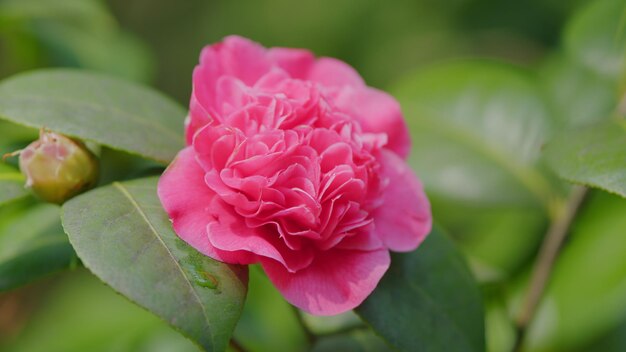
{"x": 404, "y": 218}
{"x": 336, "y": 282}
{"x": 378, "y": 112}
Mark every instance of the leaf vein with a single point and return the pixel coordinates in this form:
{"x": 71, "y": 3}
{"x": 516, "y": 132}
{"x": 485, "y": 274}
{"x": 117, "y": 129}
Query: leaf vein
{"x": 143, "y": 215}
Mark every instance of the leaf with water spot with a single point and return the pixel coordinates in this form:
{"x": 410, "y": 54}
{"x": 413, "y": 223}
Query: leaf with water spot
{"x": 123, "y": 235}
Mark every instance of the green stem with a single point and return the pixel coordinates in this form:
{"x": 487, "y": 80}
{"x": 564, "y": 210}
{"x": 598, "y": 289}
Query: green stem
{"x": 552, "y": 243}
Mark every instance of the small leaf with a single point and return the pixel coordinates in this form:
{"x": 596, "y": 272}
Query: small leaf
{"x": 11, "y": 184}
{"x": 585, "y": 296}
{"x": 594, "y": 156}
{"x": 32, "y": 243}
{"x": 428, "y": 301}
{"x": 123, "y": 235}
{"x": 95, "y": 107}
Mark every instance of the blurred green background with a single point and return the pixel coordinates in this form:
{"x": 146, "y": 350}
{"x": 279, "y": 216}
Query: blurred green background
{"x": 159, "y": 41}
{"x": 394, "y": 45}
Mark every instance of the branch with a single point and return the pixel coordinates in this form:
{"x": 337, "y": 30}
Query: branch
{"x": 553, "y": 240}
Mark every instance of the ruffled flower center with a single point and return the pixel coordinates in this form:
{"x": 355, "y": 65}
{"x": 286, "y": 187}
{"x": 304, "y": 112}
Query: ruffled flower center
{"x": 290, "y": 164}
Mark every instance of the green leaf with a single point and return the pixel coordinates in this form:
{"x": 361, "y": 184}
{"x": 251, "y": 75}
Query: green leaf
{"x": 596, "y": 36}
{"x": 594, "y": 156}
{"x": 577, "y": 95}
{"x": 428, "y": 301}
{"x": 32, "y": 243}
{"x": 477, "y": 131}
{"x": 585, "y": 296}
{"x": 11, "y": 184}
{"x": 96, "y": 107}
{"x": 123, "y": 235}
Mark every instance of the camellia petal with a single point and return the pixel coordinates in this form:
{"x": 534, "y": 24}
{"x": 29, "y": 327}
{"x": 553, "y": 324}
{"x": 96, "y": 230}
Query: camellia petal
{"x": 404, "y": 218}
{"x": 337, "y": 281}
{"x": 234, "y": 57}
{"x": 378, "y": 112}
{"x": 237, "y": 57}
{"x": 230, "y": 234}
{"x": 297, "y": 62}
{"x": 335, "y": 73}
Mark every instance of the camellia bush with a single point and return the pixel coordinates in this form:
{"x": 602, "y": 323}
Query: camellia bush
{"x": 288, "y": 176}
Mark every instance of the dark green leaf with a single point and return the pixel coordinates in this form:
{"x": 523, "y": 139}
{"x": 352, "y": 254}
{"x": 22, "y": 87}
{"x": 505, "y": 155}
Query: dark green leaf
{"x": 596, "y": 36}
{"x": 11, "y": 184}
{"x": 428, "y": 301}
{"x": 123, "y": 235}
{"x": 585, "y": 297}
{"x": 594, "y": 156}
{"x": 95, "y": 107}
{"x": 32, "y": 243}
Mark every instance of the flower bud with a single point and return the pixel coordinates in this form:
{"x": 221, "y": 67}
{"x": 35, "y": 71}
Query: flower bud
{"x": 57, "y": 167}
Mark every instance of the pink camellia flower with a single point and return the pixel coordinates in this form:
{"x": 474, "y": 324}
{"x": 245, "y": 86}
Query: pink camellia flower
{"x": 294, "y": 163}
